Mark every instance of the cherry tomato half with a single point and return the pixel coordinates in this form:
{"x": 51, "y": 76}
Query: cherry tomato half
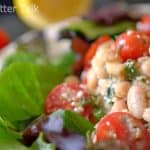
{"x": 125, "y": 128}
{"x": 92, "y": 50}
{"x": 4, "y": 38}
{"x": 132, "y": 45}
{"x": 68, "y": 96}
{"x": 144, "y": 24}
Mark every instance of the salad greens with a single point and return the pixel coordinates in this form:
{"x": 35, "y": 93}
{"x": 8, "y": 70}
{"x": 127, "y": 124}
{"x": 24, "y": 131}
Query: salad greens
{"x": 77, "y": 123}
{"x": 24, "y": 86}
{"x": 74, "y": 121}
{"x": 67, "y": 124}
{"x": 29, "y": 84}
{"x": 11, "y": 140}
{"x": 27, "y": 78}
{"x": 92, "y": 30}
{"x": 40, "y": 144}
{"x": 20, "y": 57}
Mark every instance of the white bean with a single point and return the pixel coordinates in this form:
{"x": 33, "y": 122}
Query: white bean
{"x": 142, "y": 59}
{"x": 119, "y": 106}
{"x": 145, "y": 67}
{"x": 146, "y": 114}
{"x": 98, "y": 67}
{"x": 149, "y": 103}
{"x": 103, "y": 85}
{"x": 115, "y": 68}
{"x": 91, "y": 80}
{"x": 122, "y": 88}
{"x": 106, "y": 53}
{"x": 136, "y": 101}
{"x": 72, "y": 79}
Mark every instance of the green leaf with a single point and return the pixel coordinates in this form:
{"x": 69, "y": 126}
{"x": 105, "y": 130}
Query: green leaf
{"x": 24, "y": 88}
{"x": 8, "y": 131}
{"x": 20, "y": 57}
{"x": 77, "y": 123}
{"x": 8, "y": 137}
{"x": 92, "y": 30}
{"x": 10, "y": 140}
{"x": 12, "y": 144}
{"x": 99, "y": 113}
{"x": 65, "y": 60}
{"x": 131, "y": 70}
{"x": 40, "y": 144}
{"x": 74, "y": 121}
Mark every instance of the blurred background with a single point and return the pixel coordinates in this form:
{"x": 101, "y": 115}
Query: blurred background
{"x": 15, "y": 26}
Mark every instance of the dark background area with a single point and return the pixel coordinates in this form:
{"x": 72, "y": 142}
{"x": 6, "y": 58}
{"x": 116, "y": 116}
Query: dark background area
{"x": 15, "y": 27}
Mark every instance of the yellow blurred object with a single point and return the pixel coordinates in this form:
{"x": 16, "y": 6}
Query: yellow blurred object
{"x": 39, "y": 13}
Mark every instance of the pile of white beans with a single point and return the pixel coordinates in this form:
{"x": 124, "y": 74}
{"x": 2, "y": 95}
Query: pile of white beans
{"x": 130, "y": 96}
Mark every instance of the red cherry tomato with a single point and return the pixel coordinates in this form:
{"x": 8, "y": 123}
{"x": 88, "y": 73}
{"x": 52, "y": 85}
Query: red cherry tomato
{"x": 132, "y": 45}
{"x": 78, "y": 65}
{"x": 92, "y": 50}
{"x": 79, "y": 45}
{"x": 144, "y": 24}
{"x": 68, "y": 96}
{"x": 4, "y": 38}
{"x": 125, "y": 128}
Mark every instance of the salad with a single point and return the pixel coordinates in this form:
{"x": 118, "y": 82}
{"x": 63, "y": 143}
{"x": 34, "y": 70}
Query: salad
{"x": 95, "y": 97}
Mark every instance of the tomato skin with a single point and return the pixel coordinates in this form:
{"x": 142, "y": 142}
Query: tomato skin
{"x": 4, "y": 38}
{"x": 93, "y": 48}
{"x": 144, "y": 24}
{"x": 62, "y": 97}
{"x": 132, "y": 45}
{"x": 79, "y": 45}
{"x": 120, "y": 126}
{"x": 78, "y": 65}
{"x": 56, "y": 100}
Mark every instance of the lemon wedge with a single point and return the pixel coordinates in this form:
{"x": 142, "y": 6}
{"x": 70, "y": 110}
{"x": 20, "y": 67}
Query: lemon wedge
{"x": 40, "y": 13}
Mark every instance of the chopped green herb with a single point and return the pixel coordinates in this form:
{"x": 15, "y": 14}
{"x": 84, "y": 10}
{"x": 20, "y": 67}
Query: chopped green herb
{"x": 131, "y": 70}
{"x": 99, "y": 113}
{"x": 110, "y": 94}
{"x": 94, "y": 100}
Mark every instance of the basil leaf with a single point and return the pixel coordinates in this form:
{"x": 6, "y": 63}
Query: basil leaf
{"x": 74, "y": 121}
{"x": 20, "y": 57}
{"x": 24, "y": 88}
{"x": 8, "y": 137}
{"x": 77, "y": 123}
